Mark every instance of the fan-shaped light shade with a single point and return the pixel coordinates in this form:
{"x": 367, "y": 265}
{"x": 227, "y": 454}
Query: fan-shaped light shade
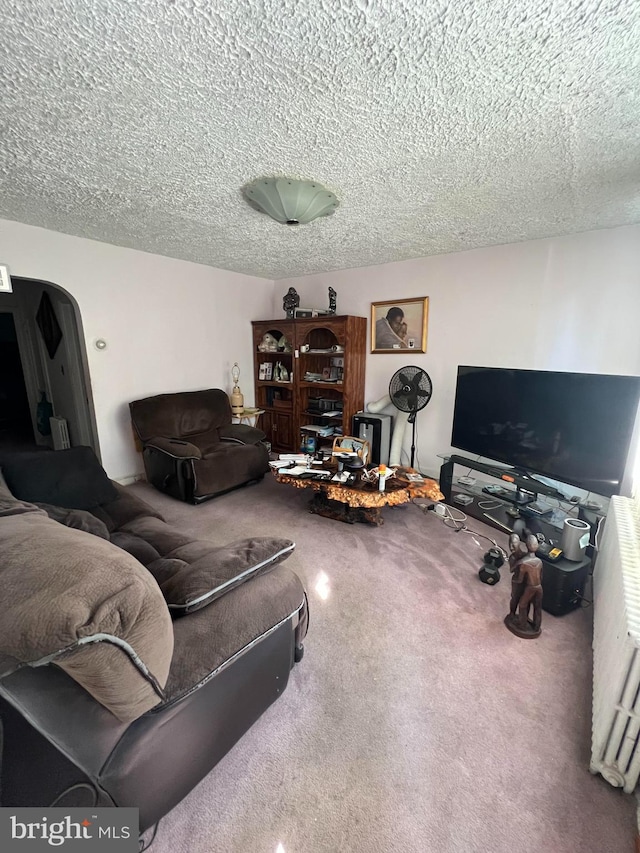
{"x": 290, "y": 201}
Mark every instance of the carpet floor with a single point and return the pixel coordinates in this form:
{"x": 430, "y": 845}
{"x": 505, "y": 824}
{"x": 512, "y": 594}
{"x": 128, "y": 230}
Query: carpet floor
{"x": 416, "y": 721}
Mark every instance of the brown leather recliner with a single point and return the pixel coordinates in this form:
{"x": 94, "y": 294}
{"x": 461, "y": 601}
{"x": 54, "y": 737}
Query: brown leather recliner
{"x": 192, "y": 450}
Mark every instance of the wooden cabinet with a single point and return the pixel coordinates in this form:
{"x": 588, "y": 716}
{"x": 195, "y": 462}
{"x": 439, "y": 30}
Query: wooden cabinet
{"x": 273, "y": 364}
{"x": 309, "y": 373}
{"x": 279, "y": 429}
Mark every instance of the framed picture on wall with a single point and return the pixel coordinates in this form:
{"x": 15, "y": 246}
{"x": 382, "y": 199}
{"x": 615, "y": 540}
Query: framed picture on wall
{"x": 5, "y": 279}
{"x": 398, "y": 325}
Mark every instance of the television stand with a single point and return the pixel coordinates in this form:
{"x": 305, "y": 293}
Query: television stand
{"x": 520, "y": 496}
{"x": 563, "y": 581}
{"x": 525, "y": 484}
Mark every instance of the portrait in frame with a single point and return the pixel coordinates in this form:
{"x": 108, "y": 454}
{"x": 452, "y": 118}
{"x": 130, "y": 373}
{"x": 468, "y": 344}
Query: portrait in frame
{"x": 399, "y": 325}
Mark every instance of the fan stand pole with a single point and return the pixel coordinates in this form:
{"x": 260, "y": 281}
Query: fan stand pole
{"x": 412, "y": 418}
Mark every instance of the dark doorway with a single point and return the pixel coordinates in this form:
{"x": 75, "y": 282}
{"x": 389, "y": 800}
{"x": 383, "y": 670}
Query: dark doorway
{"x": 15, "y": 419}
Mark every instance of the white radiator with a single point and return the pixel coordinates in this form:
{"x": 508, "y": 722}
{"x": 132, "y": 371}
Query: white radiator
{"x": 615, "y": 749}
{"x": 59, "y": 433}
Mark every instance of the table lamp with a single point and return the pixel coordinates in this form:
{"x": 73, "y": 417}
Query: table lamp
{"x": 237, "y": 399}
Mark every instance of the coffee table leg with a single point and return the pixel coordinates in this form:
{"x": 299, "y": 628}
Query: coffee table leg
{"x": 371, "y": 515}
{"x": 320, "y": 504}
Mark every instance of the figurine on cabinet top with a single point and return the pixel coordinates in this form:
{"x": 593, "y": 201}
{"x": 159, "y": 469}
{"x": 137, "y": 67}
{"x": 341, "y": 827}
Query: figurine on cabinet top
{"x": 332, "y": 301}
{"x": 290, "y": 302}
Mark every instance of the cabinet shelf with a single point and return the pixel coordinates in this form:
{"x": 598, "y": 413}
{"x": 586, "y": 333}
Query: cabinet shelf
{"x": 304, "y": 384}
{"x": 327, "y": 338}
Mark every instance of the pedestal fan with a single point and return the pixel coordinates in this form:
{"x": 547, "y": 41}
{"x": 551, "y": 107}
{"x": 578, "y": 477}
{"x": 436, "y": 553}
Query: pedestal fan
{"x": 410, "y": 390}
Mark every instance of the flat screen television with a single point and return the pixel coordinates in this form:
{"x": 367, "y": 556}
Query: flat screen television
{"x": 575, "y": 428}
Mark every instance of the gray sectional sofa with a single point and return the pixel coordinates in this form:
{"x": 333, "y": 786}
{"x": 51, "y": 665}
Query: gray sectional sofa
{"x": 132, "y": 657}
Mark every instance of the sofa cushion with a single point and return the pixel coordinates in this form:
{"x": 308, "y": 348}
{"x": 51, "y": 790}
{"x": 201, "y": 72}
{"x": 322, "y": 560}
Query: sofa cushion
{"x": 80, "y": 519}
{"x": 191, "y": 586}
{"x": 225, "y": 468}
{"x": 182, "y": 414}
{"x": 241, "y": 618}
{"x": 194, "y": 572}
{"x": 10, "y": 505}
{"x": 242, "y": 433}
{"x": 80, "y": 602}
{"x": 70, "y": 478}
{"x": 177, "y": 447}
{"x": 206, "y": 442}
{"x": 125, "y": 508}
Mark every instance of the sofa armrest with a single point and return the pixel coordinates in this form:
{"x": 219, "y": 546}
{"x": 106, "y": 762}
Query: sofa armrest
{"x": 241, "y": 433}
{"x": 175, "y": 447}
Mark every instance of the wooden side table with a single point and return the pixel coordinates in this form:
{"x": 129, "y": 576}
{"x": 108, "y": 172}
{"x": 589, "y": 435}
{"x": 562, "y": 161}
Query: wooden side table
{"x": 250, "y": 417}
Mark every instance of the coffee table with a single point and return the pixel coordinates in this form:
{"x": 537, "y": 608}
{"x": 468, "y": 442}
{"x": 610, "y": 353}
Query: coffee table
{"x": 361, "y": 501}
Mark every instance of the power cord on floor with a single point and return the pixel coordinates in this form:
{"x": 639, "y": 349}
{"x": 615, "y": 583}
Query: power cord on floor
{"x": 79, "y": 786}
{"x": 144, "y": 845}
{"x": 490, "y": 504}
{"x": 86, "y": 786}
{"x": 446, "y": 514}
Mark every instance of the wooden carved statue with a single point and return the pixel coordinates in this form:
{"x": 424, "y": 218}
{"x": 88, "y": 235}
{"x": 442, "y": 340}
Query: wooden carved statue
{"x": 290, "y": 302}
{"x": 525, "y": 613}
{"x": 332, "y": 301}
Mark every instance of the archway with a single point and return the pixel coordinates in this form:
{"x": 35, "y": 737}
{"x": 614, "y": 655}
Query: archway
{"x": 61, "y": 373}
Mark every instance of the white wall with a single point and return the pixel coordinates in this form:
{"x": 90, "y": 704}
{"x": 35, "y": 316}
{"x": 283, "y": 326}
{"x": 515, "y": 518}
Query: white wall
{"x": 170, "y": 325}
{"x": 569, "y": 303}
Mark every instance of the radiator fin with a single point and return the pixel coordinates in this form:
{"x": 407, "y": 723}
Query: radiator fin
{"x": 615, "y": 749}
{"x": 59, "y": 433}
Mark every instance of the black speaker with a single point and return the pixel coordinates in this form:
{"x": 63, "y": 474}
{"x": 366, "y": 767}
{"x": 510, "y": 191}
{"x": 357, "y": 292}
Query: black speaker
{"x": 563, "y": 585}
{"x": 446, "y": 479}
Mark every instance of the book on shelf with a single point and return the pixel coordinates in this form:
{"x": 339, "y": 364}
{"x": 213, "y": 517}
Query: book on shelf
{"x": 318, "y": 429}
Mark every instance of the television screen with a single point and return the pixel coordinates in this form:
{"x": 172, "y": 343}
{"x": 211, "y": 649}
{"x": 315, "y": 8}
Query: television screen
{"x": 572, "y": 427}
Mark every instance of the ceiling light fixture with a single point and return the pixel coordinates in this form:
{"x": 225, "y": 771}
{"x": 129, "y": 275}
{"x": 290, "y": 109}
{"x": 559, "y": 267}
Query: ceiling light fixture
{"x": 290, "y": 201}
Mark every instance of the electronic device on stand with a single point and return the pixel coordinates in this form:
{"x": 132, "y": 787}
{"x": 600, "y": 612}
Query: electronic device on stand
{"x": 376, "y": 429}
{"x": 574, "y": 428}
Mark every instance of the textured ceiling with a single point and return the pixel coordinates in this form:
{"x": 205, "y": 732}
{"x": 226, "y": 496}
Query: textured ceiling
{"x": 440, "y": 126}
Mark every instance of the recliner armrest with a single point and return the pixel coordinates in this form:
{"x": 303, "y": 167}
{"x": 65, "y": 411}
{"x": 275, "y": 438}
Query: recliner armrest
{"x": 175, "y": 447}
{"x": 241, "y": 433}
